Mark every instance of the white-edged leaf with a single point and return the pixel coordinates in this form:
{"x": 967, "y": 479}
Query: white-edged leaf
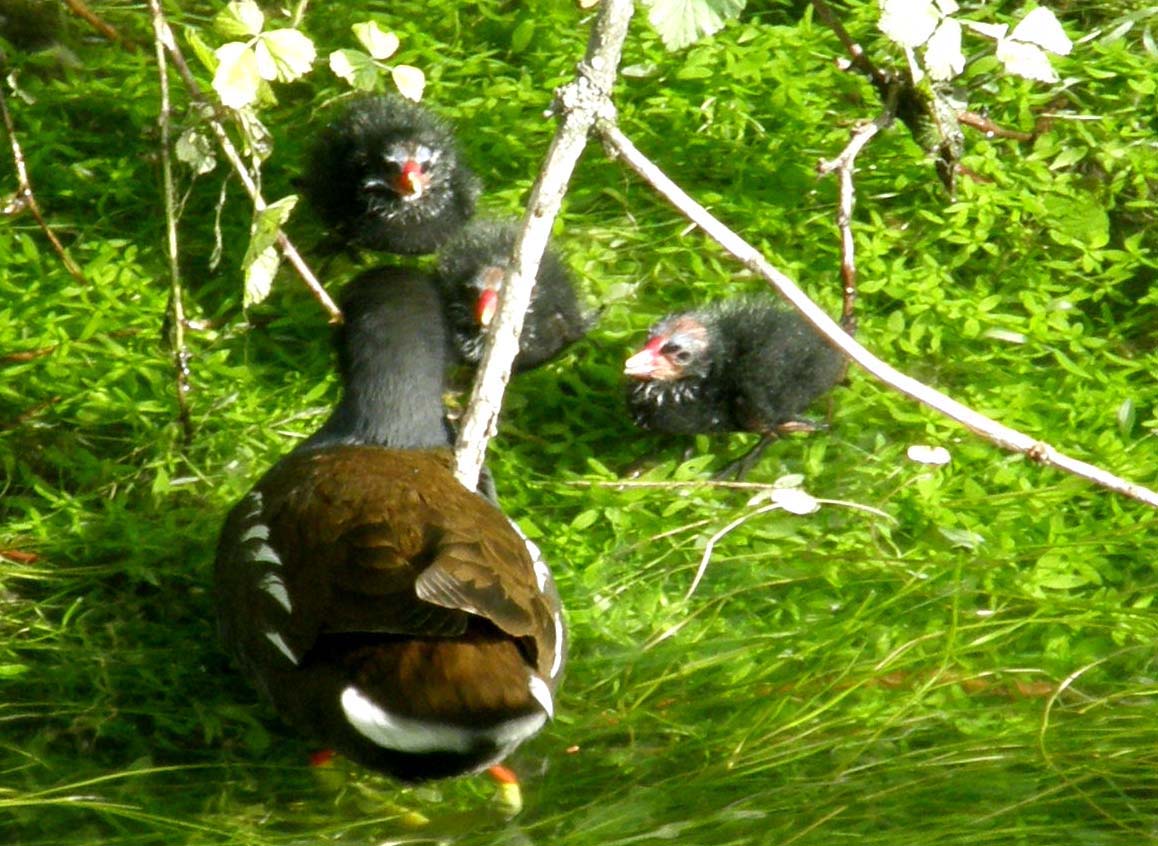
{"x": 1041, "y": 27}
{"x": 259, "y": 275}
{"x": 910, "y": 23}
{"x": 994, "y": 31}
{"x": 237, "y": 79}
{"x": 925, "y": 454}
{"x": 284, "y": 55}
{"x": 356, "y": 68}
{"x": 262, "y": 257}
{"x": 194, "y": 148}
{"x": 1127, "y": 415}
{"x": 943, "y": 56}
{"x": 379, "y": 43}
{"x": 1025, "y": 60}
{"x": 963, "y": 538}
{"x": 683, "y": 22}
{"x": 795, "y": 500}
{"x": 1007, "y": 335}
{"x": 239, "y": 19}
{"x": 258, "y": 139}
{"x": 409, "y": 81}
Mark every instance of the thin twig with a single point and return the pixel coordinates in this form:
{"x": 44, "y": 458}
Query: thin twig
{"x": 844, "y": 164}
{"x": 165, "y": 35}
{"x": 860, "y": 59}
{"x": 580, "y": 103}
{"x": 24, "y": 191}
{"x": 176, "y": 305}
{"x": 993, "y": 130}
{"x": 998, "y": 433}
{"x": 81, "y": 10}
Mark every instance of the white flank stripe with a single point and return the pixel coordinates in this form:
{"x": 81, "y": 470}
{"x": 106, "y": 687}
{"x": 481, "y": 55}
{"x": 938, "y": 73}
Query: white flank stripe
{"x": 406, "y": 734}
{"x": 560, "y": 636}
{"x": 264, "y": 554}
{"x": 275, "y": 587}
{"x": 542, "y": 694}
{"x": 278, "y": 641}
{"x": 258, "y": 531}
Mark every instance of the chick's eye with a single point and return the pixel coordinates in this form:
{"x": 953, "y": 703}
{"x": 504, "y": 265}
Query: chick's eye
{"x": 675, "y": 353}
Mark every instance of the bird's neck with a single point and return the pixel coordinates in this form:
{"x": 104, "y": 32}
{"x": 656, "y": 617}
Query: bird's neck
{"x": 393, "y": 362}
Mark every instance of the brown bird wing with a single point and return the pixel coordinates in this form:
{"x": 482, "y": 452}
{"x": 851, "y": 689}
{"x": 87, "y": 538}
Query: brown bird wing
{"x": 387, "y": 541}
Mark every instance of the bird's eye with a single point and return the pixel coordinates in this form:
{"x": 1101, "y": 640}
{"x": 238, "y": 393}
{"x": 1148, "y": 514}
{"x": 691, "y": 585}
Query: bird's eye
{"x": 675, "y": 353}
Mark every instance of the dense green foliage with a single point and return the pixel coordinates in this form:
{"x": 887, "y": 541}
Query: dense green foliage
{"x": 977, "y": 667}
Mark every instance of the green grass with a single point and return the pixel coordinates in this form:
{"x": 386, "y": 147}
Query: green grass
{"x": 978, "y": 666}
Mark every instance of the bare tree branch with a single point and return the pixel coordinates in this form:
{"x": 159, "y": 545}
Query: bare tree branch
{"x": 843, "y": 164}
{"x": 177, "y": 323}
{"x": 165, "y": 36}
{"x": 580, "y": 103}
{"x": 81, "y": 10}
{"x": 28, "y": 198}
{"x": 1002, "y": 435}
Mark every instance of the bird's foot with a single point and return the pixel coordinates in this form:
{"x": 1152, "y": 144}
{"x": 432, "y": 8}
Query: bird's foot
{"x": 738, "y": 469}
{"x": 510, "y": 793}
{"x": 804, "y": 424}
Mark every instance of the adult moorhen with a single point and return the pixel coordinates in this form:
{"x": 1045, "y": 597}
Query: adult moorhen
{"x": 384, "y": 609}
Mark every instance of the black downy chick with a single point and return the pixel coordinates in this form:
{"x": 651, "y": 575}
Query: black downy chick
{"x": 387, "y": 175}
{"x": 740, "y": 365}
{"x": 470, "y": 273}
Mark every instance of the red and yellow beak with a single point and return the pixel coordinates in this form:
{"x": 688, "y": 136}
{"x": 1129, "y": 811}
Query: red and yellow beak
{"x": 411, "y": 181}
{"x": 488, "y": 303}
{"x": 647, "y": 362}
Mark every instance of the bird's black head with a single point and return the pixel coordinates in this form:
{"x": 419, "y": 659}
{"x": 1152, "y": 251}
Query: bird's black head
{"x": 386, "y": 173}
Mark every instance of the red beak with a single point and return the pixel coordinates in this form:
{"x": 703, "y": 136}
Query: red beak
{"x": 644, "y": 363}
{"x": 484, "y": 310}
{"x": 411, "y": 181}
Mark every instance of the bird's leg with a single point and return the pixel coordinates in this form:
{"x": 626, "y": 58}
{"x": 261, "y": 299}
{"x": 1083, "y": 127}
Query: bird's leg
{"x": 739, "y": 468}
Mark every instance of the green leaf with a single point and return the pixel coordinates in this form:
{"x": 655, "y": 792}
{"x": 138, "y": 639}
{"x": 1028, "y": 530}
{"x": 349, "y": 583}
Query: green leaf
{"x": 262, "y": 257}
{"x": 201, "y": 50}
{"x": 356, "y": 68}
{"x": 683, "y": 22}
{"x": 1079, "y": 218}
{"x": 240, "y": 19}
{"x": 284, "y": 55}
{"x": 522, "y": 36}
{"x": 380, "y": 44}
{"x": 237, "y": 79}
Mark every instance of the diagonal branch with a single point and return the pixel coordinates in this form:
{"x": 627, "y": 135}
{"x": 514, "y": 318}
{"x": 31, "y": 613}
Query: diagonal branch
{"x": 998, "y": 433}
{"x": 581, "y": 103}
{"x": 28, "y": 198}
{"x": 165, "y": 36}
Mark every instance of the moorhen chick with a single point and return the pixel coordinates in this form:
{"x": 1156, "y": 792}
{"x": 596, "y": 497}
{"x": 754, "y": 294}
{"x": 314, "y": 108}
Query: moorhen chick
{"x": 470, "y": 272}
{"x": 739, "y": 365}
{"x": 384, "y": 609}
{"x": 386, "y": 174}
